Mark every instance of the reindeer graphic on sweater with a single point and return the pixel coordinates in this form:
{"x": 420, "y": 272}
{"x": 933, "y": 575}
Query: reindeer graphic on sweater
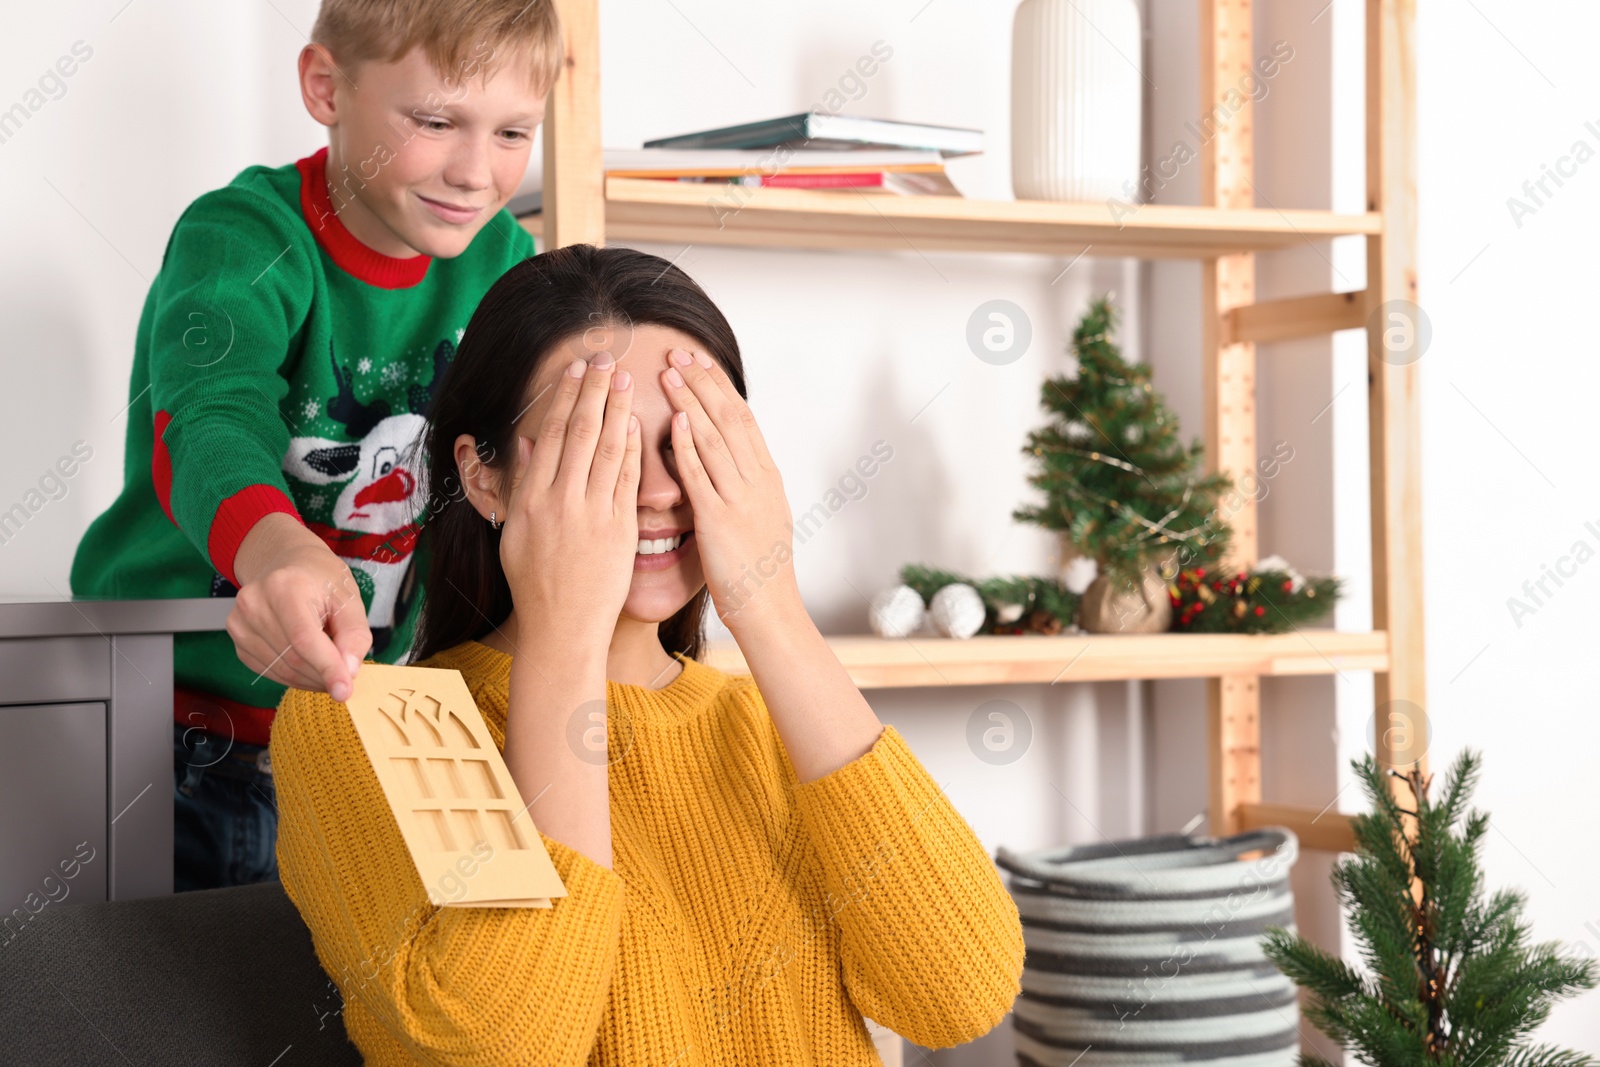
{"x": 374, "y": 528}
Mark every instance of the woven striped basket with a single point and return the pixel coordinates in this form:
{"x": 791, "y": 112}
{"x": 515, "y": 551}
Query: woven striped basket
{"x": 1148, "y": 952}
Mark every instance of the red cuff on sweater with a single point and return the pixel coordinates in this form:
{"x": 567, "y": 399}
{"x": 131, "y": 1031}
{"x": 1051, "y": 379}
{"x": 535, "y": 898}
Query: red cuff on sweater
{"x": 161, "y": 466}
{"x": 236, "y": 516}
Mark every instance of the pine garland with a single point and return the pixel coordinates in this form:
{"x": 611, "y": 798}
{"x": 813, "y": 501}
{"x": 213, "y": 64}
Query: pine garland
{"x": 1268, "y": 601}
{"x": 1117, "y": 480}
{"x": 1454, "y": 981}
{"x": 1046, "y": 606}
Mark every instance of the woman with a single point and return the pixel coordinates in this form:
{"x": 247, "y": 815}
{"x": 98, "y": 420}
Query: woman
{"x": 782, "y": 864}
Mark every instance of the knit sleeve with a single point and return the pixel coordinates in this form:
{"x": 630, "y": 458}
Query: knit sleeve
{"x": 235, "y": 285}
{"x": 452, "y": 986}
{"x": 931, "y": 940}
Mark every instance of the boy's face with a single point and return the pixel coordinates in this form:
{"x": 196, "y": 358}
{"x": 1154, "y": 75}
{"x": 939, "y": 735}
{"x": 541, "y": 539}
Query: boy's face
{"x": 418, "y": 162}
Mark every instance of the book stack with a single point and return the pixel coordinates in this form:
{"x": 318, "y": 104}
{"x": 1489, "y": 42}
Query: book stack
{"x": 901, "y": 171}
{"x": 811, "y": 150}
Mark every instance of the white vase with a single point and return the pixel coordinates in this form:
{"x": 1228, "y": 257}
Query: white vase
{"x": 1076, "y": 99}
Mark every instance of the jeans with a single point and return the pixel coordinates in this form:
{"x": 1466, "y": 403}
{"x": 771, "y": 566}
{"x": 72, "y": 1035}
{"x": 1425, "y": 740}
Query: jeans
{"x": 225, "y": 828}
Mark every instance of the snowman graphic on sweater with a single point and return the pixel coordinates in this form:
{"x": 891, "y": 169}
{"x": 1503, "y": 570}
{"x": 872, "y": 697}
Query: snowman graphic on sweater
{"x": 380, "y": 471}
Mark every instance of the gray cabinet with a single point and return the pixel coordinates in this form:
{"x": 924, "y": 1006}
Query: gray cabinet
{"x": 86, "y": 746}
{"x": 53, "y": 836}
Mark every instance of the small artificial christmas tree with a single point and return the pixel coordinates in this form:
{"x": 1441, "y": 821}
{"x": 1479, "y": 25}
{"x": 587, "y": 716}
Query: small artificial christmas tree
{"x": 1117, "y": 480}
{"x": 1454, "y": 981}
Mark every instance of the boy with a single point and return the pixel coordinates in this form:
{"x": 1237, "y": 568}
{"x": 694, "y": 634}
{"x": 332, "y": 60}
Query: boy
{"x": 285, "y": 359}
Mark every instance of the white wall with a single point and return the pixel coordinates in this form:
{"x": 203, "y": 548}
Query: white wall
{"x": 1508, "y": 415}
{"x": 841, "y": 350}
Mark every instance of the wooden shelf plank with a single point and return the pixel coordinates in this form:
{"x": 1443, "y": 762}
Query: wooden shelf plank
{"x": 1328, "y": 831}
{"x": 1301, "y": 316}
{"x": 876, "y": 662}
{"x": 639, "y": 209}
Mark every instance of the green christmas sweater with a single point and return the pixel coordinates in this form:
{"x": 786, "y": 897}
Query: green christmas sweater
{"x": 282, "y": 365}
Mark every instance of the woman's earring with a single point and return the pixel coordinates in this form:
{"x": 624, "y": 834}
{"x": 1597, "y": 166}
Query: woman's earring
{"x": 492, "y": 524}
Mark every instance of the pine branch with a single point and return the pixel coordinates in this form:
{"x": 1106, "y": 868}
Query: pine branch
{"x": 1308, "y": 965}
{"x": 1547, "y": 1056}
{"x": 1454, "y": 980}
{"x": 1047, "y": 605}
{"x": 927, "y": 580}
{"x": 1458, "y": 785}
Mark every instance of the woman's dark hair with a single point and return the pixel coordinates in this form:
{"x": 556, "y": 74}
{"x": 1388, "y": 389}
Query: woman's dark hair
{"x": 523, "y": 320}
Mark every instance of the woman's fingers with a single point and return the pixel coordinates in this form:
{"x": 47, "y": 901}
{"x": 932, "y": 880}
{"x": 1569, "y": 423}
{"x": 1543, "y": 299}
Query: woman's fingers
{"x": 714, "y": 450}
{"x": 732, "y": 414}
{"x": 690, "y": 468}
{"x": 588, "y": 418}
{"x": 626, "y": 501}
{"x": 612, "y": 447}
{"x": 740, "y": 413}
{"x": 702, "y": 361}
{"x": 553, "y": 430}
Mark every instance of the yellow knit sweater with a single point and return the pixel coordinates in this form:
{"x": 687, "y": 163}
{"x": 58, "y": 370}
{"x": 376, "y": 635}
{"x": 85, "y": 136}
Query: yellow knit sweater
{"x": 748, "y": 918}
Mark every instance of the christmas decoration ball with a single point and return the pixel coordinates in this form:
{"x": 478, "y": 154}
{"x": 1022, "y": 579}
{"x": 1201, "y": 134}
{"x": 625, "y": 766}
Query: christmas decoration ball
{"x": 957, "y": 610}
{"x": 1078, "y": 573}
{"x": 896, "y": 612}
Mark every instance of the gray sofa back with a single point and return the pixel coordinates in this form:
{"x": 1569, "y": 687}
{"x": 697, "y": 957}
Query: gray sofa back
{"x": 217, "y": 976}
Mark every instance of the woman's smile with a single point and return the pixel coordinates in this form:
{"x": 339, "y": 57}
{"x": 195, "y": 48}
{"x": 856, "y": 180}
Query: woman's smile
{"x": 660, "y": 553}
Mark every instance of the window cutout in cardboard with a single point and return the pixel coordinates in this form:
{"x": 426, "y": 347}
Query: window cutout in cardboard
{"x": 469, "y": 832}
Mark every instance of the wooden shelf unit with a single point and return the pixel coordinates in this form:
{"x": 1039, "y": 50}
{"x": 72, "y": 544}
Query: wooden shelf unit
{"x": 878, "y": 663}
{"x": 1224, "y": 233}
{"x": 639, "y": 209}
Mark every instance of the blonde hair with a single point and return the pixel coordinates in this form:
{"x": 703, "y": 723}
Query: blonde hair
{"x": 451, "y": 33}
